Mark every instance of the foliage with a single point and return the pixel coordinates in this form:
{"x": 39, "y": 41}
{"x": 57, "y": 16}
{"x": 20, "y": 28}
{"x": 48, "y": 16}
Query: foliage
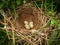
{"x": 3, "y": 37}
{"x": 54, "y": 38}
{"x": 10, "y": 3}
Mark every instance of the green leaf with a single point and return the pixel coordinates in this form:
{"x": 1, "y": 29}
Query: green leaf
{"x": 53, "y": 22}
{"x": 59, "y": 25}
{"x": 53, "y": 38}
{"x": 1, "y": 5}
{"x": 19, "y": 2}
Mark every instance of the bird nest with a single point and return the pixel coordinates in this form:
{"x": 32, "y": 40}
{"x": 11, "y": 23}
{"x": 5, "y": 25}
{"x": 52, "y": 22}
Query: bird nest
{"x": 30, "y": 14}
{"x": 31, "y": 34}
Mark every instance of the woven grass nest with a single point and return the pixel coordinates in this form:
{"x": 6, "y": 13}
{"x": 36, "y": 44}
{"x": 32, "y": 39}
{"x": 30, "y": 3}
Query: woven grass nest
{"x": 30, "y": 14}
{"x": 30, "y": 36}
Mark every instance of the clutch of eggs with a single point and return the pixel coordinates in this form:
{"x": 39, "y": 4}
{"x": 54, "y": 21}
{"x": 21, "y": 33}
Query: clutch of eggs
{"x": 28, "y": 25}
